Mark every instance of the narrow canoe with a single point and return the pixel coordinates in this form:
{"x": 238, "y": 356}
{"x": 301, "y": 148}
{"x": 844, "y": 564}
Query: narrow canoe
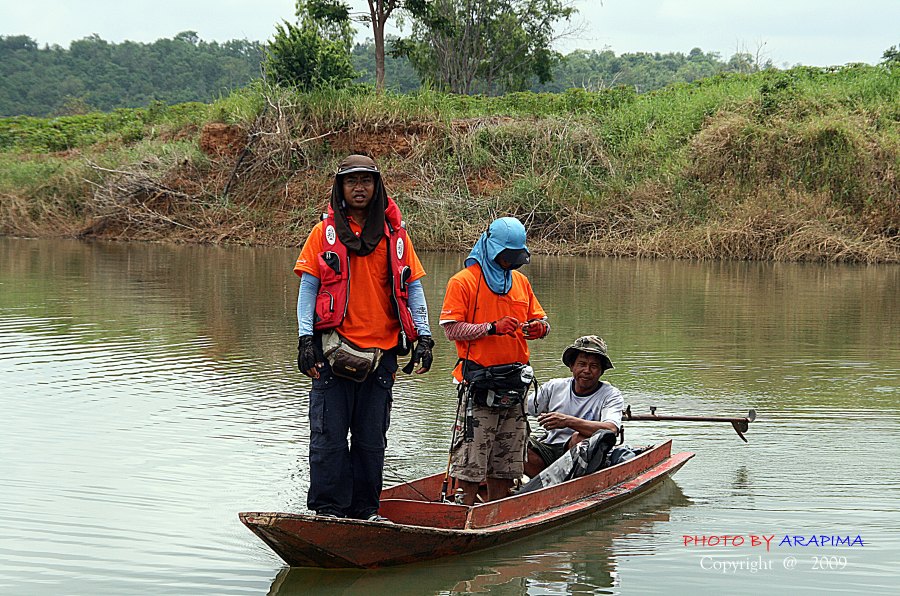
{"x": 425, "y": 529}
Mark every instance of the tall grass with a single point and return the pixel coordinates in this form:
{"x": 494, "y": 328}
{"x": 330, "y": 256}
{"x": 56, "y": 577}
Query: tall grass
{"x": 47, "y": 135}
{"x": 801, "y": 164}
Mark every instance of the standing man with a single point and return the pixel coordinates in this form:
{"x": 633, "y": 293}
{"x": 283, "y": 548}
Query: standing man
{"x": 361, "y": 304}
{"x": 574, "y": 408}
{"x": 490, "y": 311}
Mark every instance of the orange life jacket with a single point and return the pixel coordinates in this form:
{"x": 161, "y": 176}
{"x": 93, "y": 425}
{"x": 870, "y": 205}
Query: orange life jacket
{"x": 334, "y": 269}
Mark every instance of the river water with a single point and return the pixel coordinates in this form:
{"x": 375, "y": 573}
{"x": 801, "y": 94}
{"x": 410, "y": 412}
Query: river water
{"x": 149, "y": 394}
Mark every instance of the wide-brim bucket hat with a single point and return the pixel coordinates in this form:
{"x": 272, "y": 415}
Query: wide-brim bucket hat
{"x": 589, "y": 344}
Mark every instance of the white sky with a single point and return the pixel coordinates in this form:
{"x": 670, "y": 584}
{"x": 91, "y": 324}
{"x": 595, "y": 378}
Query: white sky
{"x": 813, "y": 32}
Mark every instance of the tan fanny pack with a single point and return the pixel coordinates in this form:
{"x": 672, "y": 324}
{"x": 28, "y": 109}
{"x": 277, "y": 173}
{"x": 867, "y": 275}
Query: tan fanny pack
{"x": 346, "y": 359}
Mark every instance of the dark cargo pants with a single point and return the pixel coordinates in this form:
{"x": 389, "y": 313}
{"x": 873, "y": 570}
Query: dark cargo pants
{"x": 346, "y": 479}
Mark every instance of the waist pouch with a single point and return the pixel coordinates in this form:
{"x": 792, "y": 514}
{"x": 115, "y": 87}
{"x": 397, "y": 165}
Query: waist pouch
{"x": 348, "y": 360}
{"x": 500, "y": 386}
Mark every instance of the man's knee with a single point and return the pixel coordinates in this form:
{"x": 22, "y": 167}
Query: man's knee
{"x": 534, "y": 463}
{"x": 576, "y": 438}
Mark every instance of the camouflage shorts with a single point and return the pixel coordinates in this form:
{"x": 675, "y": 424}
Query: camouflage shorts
{"x": 498, "y": 449}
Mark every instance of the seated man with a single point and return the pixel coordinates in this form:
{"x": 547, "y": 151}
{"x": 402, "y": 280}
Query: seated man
{"x": 574, "y": 408}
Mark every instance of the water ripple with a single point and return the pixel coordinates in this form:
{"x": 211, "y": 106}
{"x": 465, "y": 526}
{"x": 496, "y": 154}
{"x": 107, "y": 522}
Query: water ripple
{"x": 150, "y": 393}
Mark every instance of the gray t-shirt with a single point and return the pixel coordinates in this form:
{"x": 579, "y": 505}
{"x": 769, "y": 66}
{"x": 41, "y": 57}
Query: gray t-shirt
{"x": 558, "y": 395}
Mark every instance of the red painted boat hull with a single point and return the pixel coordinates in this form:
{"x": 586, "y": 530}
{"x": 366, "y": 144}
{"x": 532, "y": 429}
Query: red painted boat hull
{"x": 428, "y": 530}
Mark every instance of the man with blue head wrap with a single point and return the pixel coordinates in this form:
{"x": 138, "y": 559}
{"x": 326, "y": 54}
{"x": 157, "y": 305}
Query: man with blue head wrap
{"x": 489, "y": 311}
{"x": 503, "y": 242}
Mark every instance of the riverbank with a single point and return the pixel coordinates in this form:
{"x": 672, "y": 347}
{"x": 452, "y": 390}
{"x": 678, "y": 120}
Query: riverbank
{"x": 798, "y": 165}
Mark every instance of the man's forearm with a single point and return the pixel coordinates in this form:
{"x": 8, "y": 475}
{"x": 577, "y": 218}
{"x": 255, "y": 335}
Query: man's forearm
{"x": 463, "y": 331}
{"x": 306, "y": 303}
{"x": 418, "y": 308}
{"x": 589, "y": 427}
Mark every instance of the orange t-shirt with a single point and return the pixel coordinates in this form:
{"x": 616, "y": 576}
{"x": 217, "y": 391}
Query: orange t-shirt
{"x": 371, "y": 320}
{"x": 469, "y": 299}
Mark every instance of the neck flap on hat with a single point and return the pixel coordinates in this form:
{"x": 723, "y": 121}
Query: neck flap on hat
{"x": 498, "y": 279}
{"x": 372, "y": 231}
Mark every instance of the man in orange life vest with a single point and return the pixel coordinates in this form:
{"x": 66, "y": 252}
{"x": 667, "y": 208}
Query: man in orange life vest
{"x": 361, "y": 304}
{"x": 490, "y": 311}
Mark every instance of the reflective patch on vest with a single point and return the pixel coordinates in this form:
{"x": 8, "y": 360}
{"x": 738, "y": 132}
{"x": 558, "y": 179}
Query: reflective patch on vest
{"x": 400, "y": 248}
{"x": 330, "y": 234}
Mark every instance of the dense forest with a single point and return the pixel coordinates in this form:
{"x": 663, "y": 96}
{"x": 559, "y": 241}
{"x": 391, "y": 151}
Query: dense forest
{"x": 94, "y": 74}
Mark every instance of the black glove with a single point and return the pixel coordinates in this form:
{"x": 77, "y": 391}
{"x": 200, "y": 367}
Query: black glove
{"x": 422, "y": 354}
{"x": 309, "y": 356}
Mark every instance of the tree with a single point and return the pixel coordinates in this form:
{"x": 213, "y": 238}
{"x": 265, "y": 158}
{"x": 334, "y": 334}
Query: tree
{"x": 331, "y": 18}
{"x": 190, "y": 37}
{"x": 315, "y": 53}
{"x": 96, "y": 74}
{"x": 741, "y": 62}
{"x": 299, "y": 56}
{"x": 12, "y": 43}
{"x": 486, "y": 46}
{"x": 336, "y": 12}
{"x": 891, "y": 56}
{"x": 379, "y": 12}
{"x": 745, "y": 62}
{"x": 399, "y": 75}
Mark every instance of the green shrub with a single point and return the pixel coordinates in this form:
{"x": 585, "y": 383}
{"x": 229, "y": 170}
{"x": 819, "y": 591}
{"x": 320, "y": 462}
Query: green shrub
{"x": 300, "y": 57}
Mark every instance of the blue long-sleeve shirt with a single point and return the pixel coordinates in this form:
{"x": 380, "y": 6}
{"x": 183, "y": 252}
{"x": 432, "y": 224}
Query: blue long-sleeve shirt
{"x": 306, "y": 305}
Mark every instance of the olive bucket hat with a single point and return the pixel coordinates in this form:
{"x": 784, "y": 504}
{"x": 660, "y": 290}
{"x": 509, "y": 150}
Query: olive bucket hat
{"x": 589, "y": 344}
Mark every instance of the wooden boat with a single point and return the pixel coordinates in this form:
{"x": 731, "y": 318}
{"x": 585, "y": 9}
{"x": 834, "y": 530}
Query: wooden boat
{"x": 540, "y": 557}
{"x": 425, "y": 529}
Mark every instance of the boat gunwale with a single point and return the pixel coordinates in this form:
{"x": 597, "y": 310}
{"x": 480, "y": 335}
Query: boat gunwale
{"x": 271, "y": 518}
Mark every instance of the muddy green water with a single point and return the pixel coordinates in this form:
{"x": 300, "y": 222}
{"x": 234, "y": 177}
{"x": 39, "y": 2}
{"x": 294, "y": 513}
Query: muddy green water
{"x": 149, "y": 393}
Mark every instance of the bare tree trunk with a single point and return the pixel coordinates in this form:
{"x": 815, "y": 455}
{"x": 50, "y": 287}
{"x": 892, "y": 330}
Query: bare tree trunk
{"x": 379, "y": 12}
{"x": 378, "y": 30}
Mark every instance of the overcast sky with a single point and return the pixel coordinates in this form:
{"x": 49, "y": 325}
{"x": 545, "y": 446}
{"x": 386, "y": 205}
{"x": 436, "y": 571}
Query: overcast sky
{"x": 813, "y": 32}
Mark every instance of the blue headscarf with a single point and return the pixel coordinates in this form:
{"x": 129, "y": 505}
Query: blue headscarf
{"x": 503, "y": 233}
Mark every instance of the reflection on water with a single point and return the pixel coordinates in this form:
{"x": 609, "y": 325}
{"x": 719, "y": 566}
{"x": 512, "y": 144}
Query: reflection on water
{"x": 741, "y": 480}
{"x": 576, "y": 558}
{"x": 149, "y": 394}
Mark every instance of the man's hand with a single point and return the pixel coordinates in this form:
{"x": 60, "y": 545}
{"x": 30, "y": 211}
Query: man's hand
{"x": 422, "y": 354}
{"x": 309, "y": 357}
{"x": 553, "y": 420}
{"x": 535, "y": 329}
{"x": 506, "y": 326}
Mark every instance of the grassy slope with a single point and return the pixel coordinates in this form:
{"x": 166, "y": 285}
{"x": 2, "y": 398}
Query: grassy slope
{"x": 794, "y": 165}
